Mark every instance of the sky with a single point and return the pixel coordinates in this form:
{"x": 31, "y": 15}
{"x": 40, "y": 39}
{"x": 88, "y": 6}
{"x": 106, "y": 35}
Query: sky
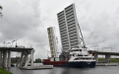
{"x": 28, "y": 20}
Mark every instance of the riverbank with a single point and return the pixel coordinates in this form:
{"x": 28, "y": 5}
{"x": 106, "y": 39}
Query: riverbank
{"x": 111, "y": 60}
{"x": 106, "y": 64}
{"x": 3, "y": 71}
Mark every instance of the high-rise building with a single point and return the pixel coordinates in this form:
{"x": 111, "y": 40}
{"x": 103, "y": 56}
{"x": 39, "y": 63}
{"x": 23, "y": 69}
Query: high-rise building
{"x": 70, "y": 31}
{"x": 52, "y": 41}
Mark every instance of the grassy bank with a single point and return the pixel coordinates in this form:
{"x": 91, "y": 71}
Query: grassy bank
{"x": 3, "y": 71}
{"x": 111, "y": 60}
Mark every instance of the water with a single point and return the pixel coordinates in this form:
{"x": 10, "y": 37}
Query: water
{"x": 64, "y": 70}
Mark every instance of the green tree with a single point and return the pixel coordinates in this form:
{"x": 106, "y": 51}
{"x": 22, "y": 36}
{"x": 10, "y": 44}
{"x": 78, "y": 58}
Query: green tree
{"x": 0, "y": 11}
{"x": 38, "y": 60}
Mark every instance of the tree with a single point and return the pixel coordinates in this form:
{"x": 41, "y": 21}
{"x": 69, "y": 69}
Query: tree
{"x": 38, "y": 60}
{"x": 0, "y": 11}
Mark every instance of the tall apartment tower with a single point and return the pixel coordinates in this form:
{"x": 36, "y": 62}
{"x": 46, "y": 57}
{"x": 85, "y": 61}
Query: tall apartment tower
{"x": 52, "y": 41}
{"x": 70, "y": 32}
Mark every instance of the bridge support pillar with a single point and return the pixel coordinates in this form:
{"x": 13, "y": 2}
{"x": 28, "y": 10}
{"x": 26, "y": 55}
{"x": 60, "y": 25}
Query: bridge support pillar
{"x": 1, "y": 58}
{"x": 18, "y": 63}
{"x": 5, "y": 59}
{"x": 32, "y": 57}
{"x": 107, "y": 57}
{"x": 26, "y": 59}
{"x": 96, "y": 57}
{"x": 9, "y": 58}
{"x": 22, "y": 61}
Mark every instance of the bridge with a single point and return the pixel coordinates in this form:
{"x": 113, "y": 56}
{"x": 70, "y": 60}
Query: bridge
{"x": 107, "y": 54}
{"x": 27, "y": 55}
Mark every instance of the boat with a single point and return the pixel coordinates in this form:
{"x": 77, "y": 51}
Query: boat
{"x": 74, "y": 50}
{"x": 79, "y": 58}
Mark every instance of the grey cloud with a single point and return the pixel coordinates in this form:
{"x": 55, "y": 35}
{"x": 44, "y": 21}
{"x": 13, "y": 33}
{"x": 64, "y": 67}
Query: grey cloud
{"x": 19, "y": 20}
{"x": 117, "y": 10}
{"x": 22, "y": 19}
{"x": 103, "y": 31}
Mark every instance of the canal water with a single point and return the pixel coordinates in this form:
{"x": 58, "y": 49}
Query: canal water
{"x": 64, "y": 70}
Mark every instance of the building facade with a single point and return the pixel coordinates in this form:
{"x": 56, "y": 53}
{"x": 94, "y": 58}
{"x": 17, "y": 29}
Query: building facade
{"x": 70, "y": 31}
{"x": 52, "y": 41}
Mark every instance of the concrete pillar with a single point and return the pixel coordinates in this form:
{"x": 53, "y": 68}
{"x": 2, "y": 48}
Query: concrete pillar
{"x": 19, "y": 60}
{"x": 107, "y": 57}
{"x": 5, "y": 59}
{"x": 0, "y": 58}
{"x": 26, "y": 59}
{"x": 32, "y": 57}
{"x": 96, "y": 57}
{"x": 22, "y": 61}
{"x": 9, "y": 58}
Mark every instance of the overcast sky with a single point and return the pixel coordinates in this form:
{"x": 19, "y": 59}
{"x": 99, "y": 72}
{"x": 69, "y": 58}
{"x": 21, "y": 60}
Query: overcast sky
{"x": 28, "y": 20}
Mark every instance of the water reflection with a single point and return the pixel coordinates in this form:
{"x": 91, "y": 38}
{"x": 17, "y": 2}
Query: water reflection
{"x": 60, "y": 70}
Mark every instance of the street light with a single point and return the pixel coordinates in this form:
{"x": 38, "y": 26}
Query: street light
{"x": 14, "y": 41}
{"x": 108, "y": 48}
{"x": 8, "y": 43}
{"x": 4, "y": 43}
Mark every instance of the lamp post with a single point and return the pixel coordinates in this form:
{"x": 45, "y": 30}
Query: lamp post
{"x": 108, "y": 48}
{"x": 102, "y": 51}
{"x": 8, "y": 43}
{"x": 4, "y": 43}
{"x": 14, "y": 41}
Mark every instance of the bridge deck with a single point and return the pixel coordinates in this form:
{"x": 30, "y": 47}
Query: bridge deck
{"x": 18, "y": 49}
{"x": 103, "y": 52}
